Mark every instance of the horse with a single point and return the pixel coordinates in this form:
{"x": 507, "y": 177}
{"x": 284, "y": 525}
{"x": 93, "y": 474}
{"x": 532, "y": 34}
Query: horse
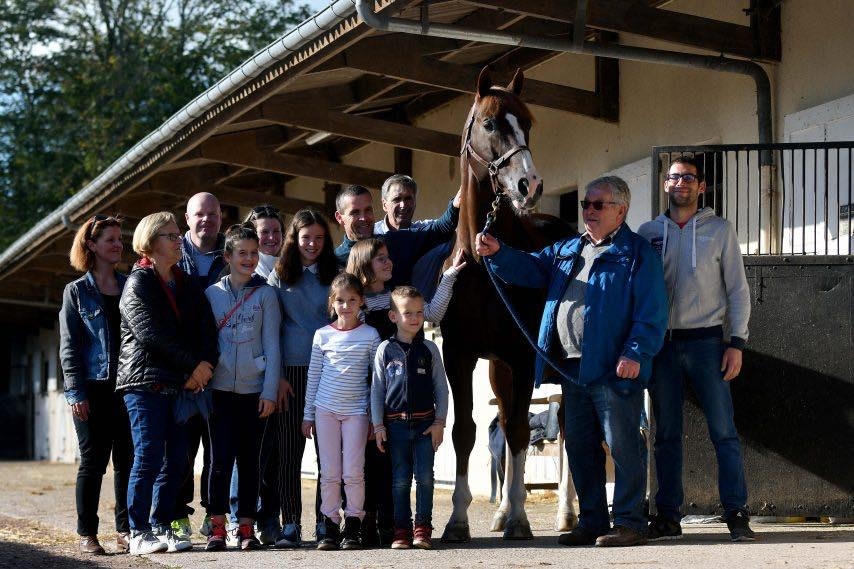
{"x": 499, "y": 181}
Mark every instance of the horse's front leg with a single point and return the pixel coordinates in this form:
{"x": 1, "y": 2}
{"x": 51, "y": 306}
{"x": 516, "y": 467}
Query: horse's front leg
{"x": 514, "y": 396}
{"x": 463, "y": 434}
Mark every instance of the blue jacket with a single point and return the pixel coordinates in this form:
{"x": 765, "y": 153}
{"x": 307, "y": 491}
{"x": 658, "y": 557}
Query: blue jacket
{"x": 626, "y": 303}
{"x": 84, "y": 336}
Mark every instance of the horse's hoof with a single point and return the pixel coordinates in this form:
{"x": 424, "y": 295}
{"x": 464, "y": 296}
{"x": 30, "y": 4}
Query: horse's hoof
{"x": 499, "y": 521}
{"x": 520, "y": 529}
{"x": 566, "y": 522}
{"x": 456, "y": 532}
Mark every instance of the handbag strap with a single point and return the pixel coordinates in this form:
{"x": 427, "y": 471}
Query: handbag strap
{"x": 234, "y": 308}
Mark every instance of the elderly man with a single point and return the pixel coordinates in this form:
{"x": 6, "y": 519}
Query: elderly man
{"x": 201, "y": 259}
{"x": 355, "y": 214}
{"x": 604, "y": 319}
{"x": 398, "y": 195}
{"x": 706, "y": 284}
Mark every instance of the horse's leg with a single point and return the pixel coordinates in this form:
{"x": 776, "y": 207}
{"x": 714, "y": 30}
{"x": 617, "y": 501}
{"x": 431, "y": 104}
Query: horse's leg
{"x": 567, "y": 517}
{"x": 514, "y": 400}
{"x": 459, "y": 369}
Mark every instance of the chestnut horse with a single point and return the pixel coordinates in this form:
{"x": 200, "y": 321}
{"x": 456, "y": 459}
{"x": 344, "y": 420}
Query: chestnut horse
{"x": 498, "y": 177}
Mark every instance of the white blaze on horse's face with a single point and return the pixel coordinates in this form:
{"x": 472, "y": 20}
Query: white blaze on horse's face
{"x": 520, "y": 178}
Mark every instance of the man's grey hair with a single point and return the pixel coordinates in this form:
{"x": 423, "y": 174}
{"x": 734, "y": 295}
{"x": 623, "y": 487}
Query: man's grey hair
{"x": 402, "y": 180}
{"x": 619, "y": 189}
{"x": 352, "y": 190}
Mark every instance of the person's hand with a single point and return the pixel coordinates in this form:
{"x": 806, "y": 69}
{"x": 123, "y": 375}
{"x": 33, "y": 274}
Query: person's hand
{"x": 381, "y": 437}
{"x": 81, "y": 410}
{"x": 202, "y": 374}
{"x": 458, "y": 199}
{"x": 265, "y": 408}
{"x": 628, "y": 369}
{"x": 193, "y": 385}
{"x": 437, "y": 434}
{"x": 486, "y": 245}
{"x": 286, "y": 390}
{"x": 308, "y": 429}
{"x": 731, "y": 363}
{"x": 459, "y": 260}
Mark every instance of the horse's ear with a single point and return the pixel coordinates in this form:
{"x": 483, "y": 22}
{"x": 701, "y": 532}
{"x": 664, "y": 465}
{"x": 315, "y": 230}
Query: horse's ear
{"x": 516, "y": 83}
{"x": 484, "y": 81}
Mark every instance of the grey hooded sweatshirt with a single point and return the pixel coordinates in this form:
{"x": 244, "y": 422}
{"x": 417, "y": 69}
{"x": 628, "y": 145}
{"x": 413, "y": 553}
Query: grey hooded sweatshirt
{"x": 249, "y": 356}
{"x": 704, "y": 271}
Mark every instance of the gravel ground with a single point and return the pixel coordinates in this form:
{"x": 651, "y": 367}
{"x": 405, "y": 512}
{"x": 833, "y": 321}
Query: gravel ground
{"x": 37, "y": 530}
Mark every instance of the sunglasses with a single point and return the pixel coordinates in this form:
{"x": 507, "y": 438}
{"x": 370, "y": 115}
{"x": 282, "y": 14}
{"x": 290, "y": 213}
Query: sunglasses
{"x": 98, "y": 217}
{"x": 597, "y": 205}
{"x": 265, "y": 211}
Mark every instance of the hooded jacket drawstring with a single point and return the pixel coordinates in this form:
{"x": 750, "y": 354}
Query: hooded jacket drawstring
{"x": 693, "y": 242}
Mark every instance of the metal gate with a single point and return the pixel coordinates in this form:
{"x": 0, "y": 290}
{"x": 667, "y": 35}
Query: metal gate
{"x": 794, "y": 400}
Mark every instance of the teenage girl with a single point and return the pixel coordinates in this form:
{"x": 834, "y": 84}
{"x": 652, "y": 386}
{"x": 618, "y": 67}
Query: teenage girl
{"x": 301, "y": 279}
{"x": 336, "y": 409}
{"x": 244, "y": 383}
{"x": 370, "y": 262}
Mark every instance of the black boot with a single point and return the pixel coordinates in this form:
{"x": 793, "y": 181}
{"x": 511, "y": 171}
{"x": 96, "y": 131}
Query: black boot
{"x": 351, "y": 540}
{"x": 331, "y": 537}
{"x": 370, "y": 538}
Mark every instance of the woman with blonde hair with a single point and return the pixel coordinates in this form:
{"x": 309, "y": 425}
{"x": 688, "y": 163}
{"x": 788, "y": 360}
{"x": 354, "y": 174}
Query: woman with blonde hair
{"x": 169, "y": 346}
{"x": 89, "y": 352}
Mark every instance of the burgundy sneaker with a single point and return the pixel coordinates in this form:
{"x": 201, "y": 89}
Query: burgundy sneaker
{"x": 402, "y": 538}
{"x": 423, "y": 537}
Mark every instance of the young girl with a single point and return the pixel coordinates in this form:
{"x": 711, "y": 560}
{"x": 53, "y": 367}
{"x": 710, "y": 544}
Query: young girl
{"x": 301, "y": 279}
{"x": 336, "y": 409}
{"x": 244, "y": 383}
{"x": 370, "y": 262}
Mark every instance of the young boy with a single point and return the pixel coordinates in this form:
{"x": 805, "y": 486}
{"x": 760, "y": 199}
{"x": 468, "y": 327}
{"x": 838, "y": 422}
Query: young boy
{"x": 409, "y": 404}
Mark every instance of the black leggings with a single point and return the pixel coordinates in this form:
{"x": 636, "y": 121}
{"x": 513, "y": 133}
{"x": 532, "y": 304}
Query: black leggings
{"x": 106, "y": 431}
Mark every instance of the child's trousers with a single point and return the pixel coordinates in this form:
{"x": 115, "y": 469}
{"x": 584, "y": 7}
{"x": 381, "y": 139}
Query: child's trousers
{"x": 341, "y": 441}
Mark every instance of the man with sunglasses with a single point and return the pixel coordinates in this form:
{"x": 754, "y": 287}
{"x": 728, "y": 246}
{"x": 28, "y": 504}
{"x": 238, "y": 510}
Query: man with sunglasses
{"x": 604, "y": 319}
{"x": 706, "y": 284}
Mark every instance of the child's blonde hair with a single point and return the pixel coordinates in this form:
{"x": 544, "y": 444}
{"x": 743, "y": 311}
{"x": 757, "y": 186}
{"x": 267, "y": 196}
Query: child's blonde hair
{"x": 342, "y": 282}
{"x": 361, "y": 255}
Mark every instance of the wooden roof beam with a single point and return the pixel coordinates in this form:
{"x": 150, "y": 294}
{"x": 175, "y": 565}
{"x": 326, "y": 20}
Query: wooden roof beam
{"x": 639, "y": 18}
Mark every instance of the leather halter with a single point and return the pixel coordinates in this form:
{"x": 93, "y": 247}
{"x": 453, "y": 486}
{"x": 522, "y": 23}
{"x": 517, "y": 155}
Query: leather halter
{"x": 491, "y": 166}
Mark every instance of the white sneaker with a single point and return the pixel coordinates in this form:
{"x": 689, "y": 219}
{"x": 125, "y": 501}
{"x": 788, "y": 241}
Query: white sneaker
{"x": 173, "y": 541}
{"x": 145, "y": 543}
{"x": 231, "y": 539}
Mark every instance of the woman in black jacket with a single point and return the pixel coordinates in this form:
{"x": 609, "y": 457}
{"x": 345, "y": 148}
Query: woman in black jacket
{"x": 169, "y": 344}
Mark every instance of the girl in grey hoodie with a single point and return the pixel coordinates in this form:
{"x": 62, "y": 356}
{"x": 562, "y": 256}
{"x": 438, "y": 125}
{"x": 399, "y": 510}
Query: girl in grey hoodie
{"x": 244, "y": 383}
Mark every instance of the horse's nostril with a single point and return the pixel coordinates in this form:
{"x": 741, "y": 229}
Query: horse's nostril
{"x": 523, "y": 187}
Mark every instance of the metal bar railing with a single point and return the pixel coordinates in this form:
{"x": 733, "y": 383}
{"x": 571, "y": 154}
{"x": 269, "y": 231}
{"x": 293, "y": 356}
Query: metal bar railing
{"x": 799, "y": 203}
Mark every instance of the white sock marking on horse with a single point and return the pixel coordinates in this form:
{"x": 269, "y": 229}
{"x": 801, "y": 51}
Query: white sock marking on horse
{"x": 461, "y": 499}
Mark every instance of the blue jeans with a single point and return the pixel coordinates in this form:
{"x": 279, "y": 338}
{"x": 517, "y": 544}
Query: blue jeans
{"x": 596, "y": 413}
{"x": 411, "y": 453}
{"x": 160, "y": 455}
{"x": 700, "y": 362}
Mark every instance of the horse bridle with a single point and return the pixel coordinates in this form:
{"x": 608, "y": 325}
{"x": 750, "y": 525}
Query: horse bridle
{"x": 492, "y": 167}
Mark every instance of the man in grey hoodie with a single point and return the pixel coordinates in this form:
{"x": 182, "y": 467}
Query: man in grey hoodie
{"x": 706, "y": 285}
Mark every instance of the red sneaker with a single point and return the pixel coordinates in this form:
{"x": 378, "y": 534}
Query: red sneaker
{"x": 402, "y": 538}
{"x": 246, "y": 539}
{"x": 423, "y": 537}
{"x": 216, "y": 537}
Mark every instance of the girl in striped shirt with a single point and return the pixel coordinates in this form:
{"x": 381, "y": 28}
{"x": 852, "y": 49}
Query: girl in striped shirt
{"x": 337, "y": 407}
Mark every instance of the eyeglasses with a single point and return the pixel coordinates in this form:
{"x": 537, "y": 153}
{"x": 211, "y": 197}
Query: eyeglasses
{"x": 597, "y": 205}
{"x": 170, "y": 236}
{"x": 98, "y": 217}
{"x": 687, "y": 178}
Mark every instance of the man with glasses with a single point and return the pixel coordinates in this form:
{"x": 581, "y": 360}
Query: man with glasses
{"x": 201, "y": 259}
{"x": 604, "y": 319}
{"x": 706, "y": 284}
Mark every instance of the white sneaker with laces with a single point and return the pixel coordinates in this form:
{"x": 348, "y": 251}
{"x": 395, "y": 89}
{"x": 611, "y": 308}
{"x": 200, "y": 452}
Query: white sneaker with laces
{"x": 145, "y": 543}
{"x": 174, "y": 542}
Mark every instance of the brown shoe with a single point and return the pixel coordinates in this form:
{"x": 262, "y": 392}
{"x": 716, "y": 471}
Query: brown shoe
{"x": 621, "y": 536}
{"x": 89, "y": 544}
{"x": 122, "y": 542}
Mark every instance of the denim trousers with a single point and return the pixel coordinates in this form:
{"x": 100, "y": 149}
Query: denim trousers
{"x": 107, "y": 431}
{"x": 235, "y": 430}
{"x": 595, "y": 413}
{"x": 411, "y": 453}
{"x": 160, "y": 454}
{"x": 699, "y": 361}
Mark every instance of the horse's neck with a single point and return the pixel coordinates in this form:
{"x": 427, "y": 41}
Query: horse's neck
{"x": 476, "y": 204}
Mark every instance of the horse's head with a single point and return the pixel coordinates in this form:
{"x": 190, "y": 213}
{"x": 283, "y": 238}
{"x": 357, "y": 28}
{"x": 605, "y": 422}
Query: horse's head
{"x": 495, "y": 141}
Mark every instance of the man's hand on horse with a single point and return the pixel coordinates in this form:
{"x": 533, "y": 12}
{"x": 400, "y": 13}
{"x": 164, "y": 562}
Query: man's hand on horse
{"x": 628, "y": 369}
{"x": 437, "y": 434}
{"x": 486, "y": 245}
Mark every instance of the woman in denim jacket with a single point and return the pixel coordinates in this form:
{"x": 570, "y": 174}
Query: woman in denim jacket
{"x": 89, "y": 348}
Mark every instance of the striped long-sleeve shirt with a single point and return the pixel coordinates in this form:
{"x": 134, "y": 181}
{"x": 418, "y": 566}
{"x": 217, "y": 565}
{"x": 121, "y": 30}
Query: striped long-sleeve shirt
{"x": 339, "y": 371}
{"x": 434, "y": 310}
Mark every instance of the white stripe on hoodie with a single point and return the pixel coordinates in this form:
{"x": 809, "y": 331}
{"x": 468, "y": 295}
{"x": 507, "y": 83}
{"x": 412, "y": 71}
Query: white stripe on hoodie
{"x": 706, "y": 283}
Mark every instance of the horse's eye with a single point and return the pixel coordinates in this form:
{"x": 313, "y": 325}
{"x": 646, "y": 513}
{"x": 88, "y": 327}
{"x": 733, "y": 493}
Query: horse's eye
{"x": 489, "y": 125}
